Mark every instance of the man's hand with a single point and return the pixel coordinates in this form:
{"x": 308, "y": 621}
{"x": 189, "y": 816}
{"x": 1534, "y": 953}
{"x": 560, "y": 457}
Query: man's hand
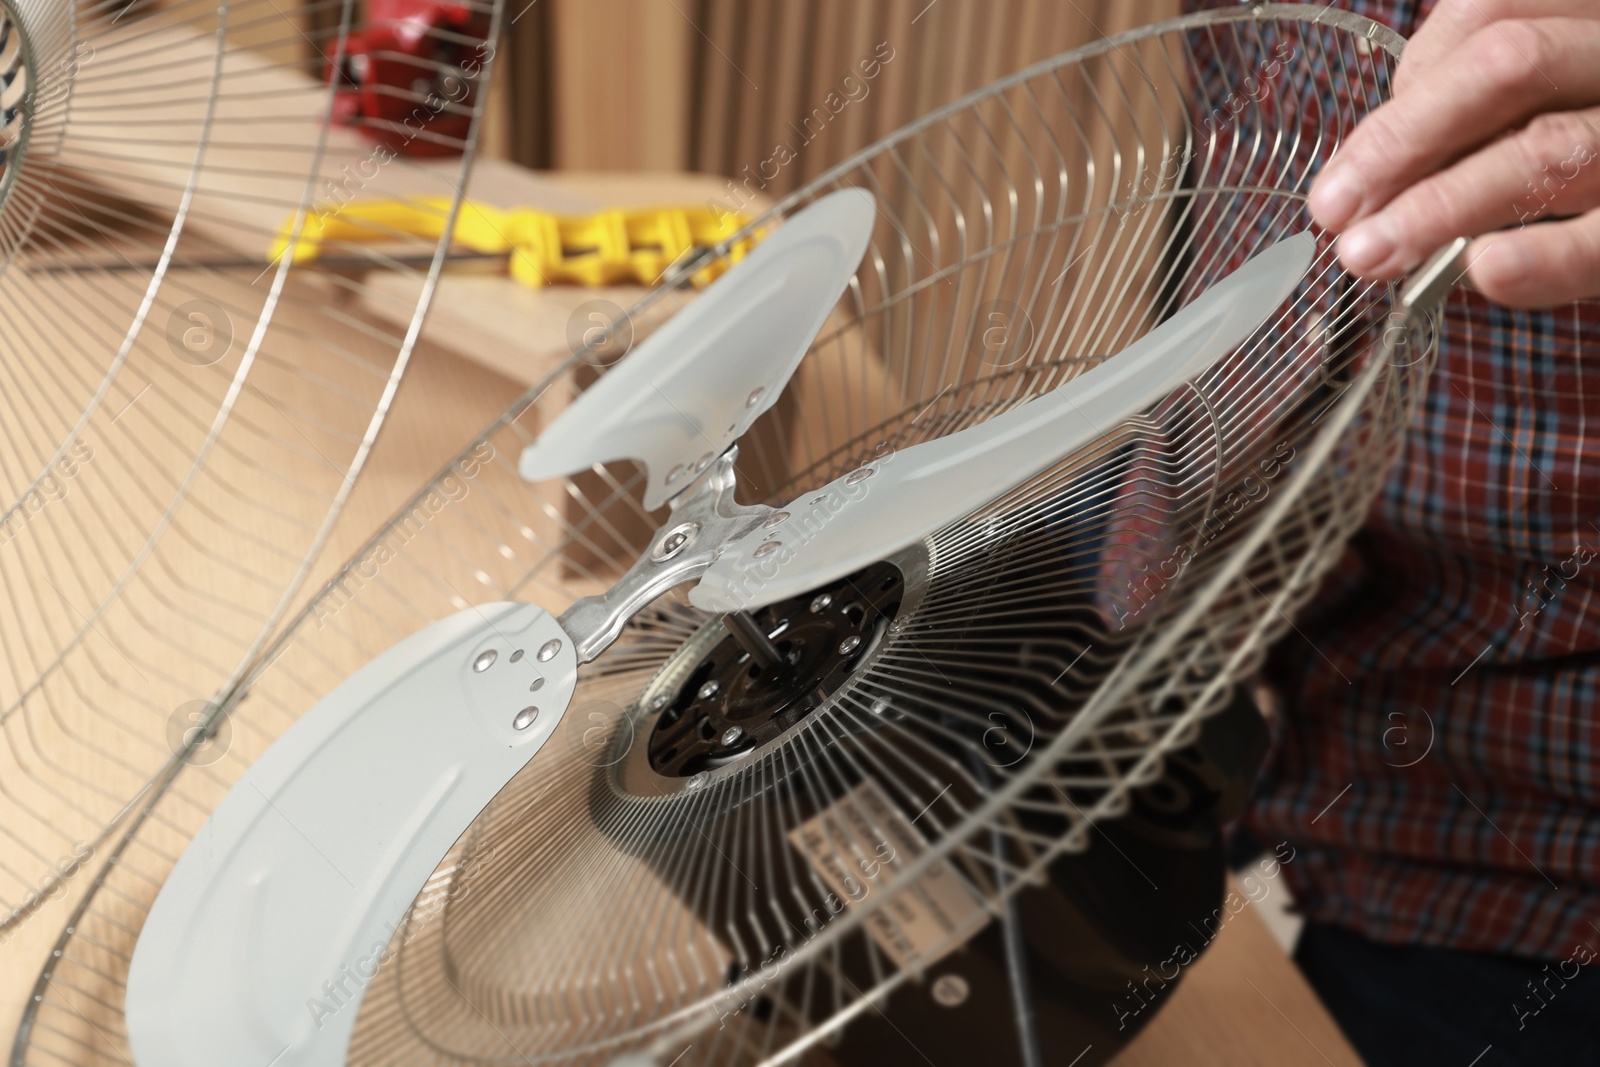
{"x": 1494, "y": 126}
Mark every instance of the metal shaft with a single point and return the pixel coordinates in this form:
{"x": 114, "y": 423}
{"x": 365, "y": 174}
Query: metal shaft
{"x": 752, "y": 638}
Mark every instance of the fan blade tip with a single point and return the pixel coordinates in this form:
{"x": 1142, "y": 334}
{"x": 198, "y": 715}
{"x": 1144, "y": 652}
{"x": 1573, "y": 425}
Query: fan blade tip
{"x": 1288, "y": 259}
{"x": 771, "y": 304}
{"x": 528, "y": 465}
{"x": 539, "y": 461}
{"x": 544, "y": 458}
{"x": 858, "y": 207}
{"x": 1300, "y": 248}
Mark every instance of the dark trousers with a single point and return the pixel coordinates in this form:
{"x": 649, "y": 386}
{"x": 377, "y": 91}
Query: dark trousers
{"x": 1415, "y": 1006}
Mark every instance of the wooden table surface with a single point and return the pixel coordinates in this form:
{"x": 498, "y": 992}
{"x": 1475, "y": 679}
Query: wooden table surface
{"x": 1242, "y": 1002}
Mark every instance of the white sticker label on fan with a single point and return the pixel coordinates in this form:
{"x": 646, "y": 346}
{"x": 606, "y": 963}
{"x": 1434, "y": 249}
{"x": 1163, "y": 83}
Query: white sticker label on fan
{"x": 859, "y": 845}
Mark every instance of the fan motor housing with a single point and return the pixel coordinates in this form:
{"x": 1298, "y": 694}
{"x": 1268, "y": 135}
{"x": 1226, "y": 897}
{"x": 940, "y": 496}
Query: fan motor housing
{"x": 728, "y": 704}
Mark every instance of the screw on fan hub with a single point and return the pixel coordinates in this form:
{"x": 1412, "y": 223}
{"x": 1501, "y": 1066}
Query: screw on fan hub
{"x": 731, "y": 703}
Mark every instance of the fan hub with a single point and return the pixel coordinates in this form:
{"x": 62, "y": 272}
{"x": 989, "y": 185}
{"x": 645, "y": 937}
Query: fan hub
{"x": 728, "y": 704}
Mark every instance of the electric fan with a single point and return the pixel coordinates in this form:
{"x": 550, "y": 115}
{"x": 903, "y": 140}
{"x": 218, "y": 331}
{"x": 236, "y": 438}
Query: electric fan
{"x": 716, "y": 723}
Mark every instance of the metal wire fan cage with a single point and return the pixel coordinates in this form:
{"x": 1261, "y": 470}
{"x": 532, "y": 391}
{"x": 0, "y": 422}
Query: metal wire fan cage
{"x": 183, "y": 414}
{"x": 1029, "y": 666}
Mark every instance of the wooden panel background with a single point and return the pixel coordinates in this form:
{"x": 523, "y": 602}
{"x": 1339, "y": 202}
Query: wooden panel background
{"x": 714, "y": 85}
{"x": 760, "y": 66}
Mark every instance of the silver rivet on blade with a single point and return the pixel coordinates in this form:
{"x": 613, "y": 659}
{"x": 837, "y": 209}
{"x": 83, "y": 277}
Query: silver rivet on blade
{"x": 675, "y": 473}
{"x": 849, "y": 645}
{"x": 517, "y": 655}
{"x": 548, "y": 650}
{"x": 709, "y": 690}
{"x": 767, "y": 548}
{"x": 860, "y": 474}
{"x": 485, "y": 660}
{"x": 525, "y": 717}
{"x": 732, "y": 735}
{"x": 776, "y": 518}
{"x": 536, "y": 685}
{"x": 754, "y": 398}
{"x": 820, "y": 603}
{"x": 674, "y": 541}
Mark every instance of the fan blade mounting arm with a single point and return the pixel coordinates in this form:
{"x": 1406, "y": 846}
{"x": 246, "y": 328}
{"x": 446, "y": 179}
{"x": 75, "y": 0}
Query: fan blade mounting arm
{"x": 283, "y": 907}
{"x": 895, "y": 501}
{"x": 695, "y": 385}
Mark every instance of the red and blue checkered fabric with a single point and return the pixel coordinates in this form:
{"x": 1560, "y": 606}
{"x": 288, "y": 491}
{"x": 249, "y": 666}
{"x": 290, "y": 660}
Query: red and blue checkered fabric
{"x": 1437, "y": 764}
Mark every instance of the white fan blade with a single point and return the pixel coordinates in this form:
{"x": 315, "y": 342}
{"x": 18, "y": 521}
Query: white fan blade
{"x": 691, "y": 388}
{"x": 275, "y": 918}
{"x": 873, "y": 512}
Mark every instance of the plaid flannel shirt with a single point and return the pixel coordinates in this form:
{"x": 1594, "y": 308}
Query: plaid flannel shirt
{"x": 1436, "y": 763}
